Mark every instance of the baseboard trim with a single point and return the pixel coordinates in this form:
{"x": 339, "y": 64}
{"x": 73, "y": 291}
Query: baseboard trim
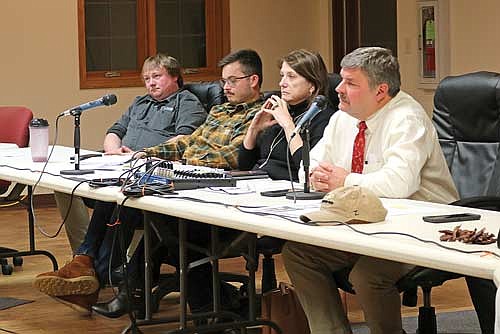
{"x": 39, "y": 201}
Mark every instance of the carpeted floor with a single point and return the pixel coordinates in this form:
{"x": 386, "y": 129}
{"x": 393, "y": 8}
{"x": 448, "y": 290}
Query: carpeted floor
{"x": 7, "y": 302}
{"x": 462, "y": 322}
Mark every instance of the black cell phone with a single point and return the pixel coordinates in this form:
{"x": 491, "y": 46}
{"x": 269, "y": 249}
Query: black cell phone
{"x": 275, "y": 193}
{"x": 456, "y": 217}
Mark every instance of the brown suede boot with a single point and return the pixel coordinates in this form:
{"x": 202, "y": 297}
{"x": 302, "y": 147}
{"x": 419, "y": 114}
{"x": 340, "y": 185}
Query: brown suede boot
{"x": 79, "y": 303}
{"x": 76, "y": 278}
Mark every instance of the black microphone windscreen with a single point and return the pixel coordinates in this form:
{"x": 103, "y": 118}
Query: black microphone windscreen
{"x": 109, "y": 99}
{"x": 321, "y": 101}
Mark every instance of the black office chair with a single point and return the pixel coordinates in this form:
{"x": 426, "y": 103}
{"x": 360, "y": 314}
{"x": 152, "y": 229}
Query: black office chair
{"x": 210, "y": 93}
{"x": 467, "y": 120}
{"x": 334, "y": 80}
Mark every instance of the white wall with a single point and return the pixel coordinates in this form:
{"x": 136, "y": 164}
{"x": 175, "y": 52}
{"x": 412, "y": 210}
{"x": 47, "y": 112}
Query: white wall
{"x": 474, "y": 30}
{"x": 283, "y": 26}
{"x": 474, "y": 36}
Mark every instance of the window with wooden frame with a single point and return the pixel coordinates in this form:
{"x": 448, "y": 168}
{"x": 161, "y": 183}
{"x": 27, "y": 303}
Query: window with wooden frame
{"x": 115, "y": 36}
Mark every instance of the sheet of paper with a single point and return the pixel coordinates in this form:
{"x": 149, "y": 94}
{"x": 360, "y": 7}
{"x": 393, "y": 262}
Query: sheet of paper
{"x": 289, "y": 210}
{"x": 4, "y": 146}
{"x": 254, "y": 186}
{"x": 9, "y": 150}
{"x": 400, "y": 207}
{"x": 259, "y": 185}
{"x": 105, "y": 161}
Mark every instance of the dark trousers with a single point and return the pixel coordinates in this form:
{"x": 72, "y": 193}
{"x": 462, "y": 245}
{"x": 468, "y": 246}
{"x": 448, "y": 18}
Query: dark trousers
{"x": 199, "y": 278}
{"x": 482, "y": 293}
{"x": 101, "y": 241}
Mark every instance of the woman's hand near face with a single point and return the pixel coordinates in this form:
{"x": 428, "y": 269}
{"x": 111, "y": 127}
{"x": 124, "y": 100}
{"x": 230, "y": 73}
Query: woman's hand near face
{"x": 282, "y": 116}
{"x": 263, "y": 118}
{"x": 280, "y": 113}
{"x": 261, "y": 121}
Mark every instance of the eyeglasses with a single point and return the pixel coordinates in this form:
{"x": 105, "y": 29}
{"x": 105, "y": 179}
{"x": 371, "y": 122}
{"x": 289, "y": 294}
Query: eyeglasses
{"x": 232, "y": 81}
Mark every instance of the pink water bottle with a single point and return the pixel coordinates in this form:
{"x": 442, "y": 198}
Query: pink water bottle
{"x": 39, "y": 139}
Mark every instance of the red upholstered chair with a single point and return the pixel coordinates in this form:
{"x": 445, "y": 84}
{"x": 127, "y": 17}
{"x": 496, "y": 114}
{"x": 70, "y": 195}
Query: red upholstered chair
{"x": 15, "y": 129}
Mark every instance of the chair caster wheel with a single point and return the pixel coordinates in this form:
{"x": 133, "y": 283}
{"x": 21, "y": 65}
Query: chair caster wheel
{"x": 17, "y": 261}
{"x": 7, "y": 269}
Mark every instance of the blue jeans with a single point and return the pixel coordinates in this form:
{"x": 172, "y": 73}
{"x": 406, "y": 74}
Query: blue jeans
{"x": 101, "y": 241}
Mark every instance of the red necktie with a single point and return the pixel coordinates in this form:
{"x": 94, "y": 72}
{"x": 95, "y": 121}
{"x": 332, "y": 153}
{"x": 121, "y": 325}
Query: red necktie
{"x": 358, "y": 150}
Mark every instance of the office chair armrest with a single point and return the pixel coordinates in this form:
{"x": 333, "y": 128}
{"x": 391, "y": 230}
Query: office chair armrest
{"x": 426, "y": 278}
{"x": 14, "y": 195}
{"x": 419, "y": 276}
{"x": 480, "y": 202}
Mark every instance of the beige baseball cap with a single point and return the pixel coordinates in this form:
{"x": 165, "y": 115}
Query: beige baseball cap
{"x": 352, "y": 204}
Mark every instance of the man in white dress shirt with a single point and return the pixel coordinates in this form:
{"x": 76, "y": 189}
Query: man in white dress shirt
{"x": 383, "y": 140}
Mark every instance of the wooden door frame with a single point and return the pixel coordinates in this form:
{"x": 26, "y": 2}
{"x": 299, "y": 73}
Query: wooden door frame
{"x": 345, "y": 25}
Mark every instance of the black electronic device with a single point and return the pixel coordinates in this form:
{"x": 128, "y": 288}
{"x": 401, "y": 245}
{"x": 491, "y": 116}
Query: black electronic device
{"x": 195, "y": 183}
{"x": 498, "y": 239}
{"x": 106, "y": 100}
{"x": 319, "y": 103}
{"x": 249, "y": 174}
{"x": 455, "y": 217}
{"x": 106, "y": 182}
{"x": 86, "y": 156}
{"x": 275, "y": 193}
{"x": 187, "y": 177}
{"x": 306, "y": 193}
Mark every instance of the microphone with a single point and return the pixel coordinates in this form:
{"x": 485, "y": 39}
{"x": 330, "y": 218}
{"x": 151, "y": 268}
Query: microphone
{"x": 106, "y": 100}
{"x": 318, "y": 104}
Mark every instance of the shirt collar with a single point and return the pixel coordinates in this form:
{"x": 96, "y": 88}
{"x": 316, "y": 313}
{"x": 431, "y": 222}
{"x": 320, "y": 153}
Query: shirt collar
{"x": 374, "y": 120}
{"x": 165, "y": 100}
{"x": 236, "y": 108}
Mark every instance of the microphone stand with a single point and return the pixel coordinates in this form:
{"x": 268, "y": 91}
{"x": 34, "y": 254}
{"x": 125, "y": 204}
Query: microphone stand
{"x": 306, "y": 148}
{"x": 76, "y": 144}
